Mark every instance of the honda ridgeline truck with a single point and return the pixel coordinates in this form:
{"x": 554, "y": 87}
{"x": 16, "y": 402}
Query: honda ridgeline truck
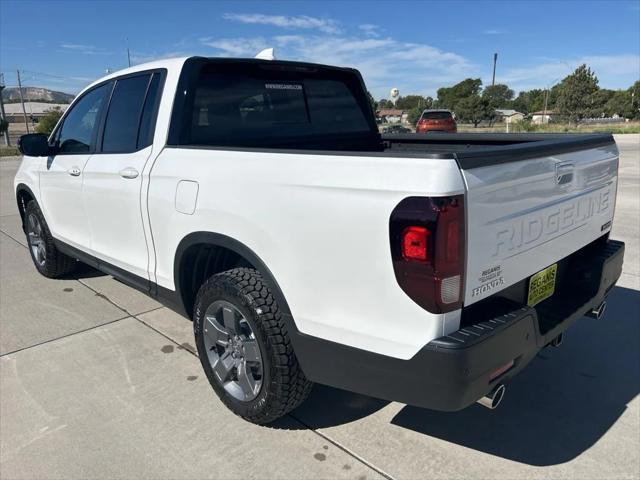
{"x": 258, "y": 198}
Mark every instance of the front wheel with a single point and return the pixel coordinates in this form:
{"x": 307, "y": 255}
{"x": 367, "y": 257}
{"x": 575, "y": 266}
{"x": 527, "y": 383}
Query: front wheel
{"x": 49, "y": 261}
{"x": 244, "y": 347}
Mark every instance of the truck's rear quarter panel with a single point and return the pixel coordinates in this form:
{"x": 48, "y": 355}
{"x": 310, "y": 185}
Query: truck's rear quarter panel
{"x": 320, "y": 222}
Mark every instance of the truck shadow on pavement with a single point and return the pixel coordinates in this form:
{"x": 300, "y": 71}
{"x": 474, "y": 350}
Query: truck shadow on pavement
{"x": 556, "y": 409}
{"x": 83, "y": 271}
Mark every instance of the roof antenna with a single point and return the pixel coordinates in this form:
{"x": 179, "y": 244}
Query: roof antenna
{"x": 266, "y": 54}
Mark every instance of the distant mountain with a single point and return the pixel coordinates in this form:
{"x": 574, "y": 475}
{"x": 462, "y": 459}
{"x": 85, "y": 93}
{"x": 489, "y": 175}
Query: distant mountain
{"x": 36, "y": 94}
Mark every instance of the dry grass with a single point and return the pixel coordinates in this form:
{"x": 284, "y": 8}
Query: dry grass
{"x": 9, "y": 151}
{"x": 629, "y": 127}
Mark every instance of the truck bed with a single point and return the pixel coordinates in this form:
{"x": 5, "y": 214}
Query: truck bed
{"x": 480, "y": 149}
{"x": 471, "y": 150}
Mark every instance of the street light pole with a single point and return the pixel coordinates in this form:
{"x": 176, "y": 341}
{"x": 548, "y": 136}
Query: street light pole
{"x": 495, "y": 60}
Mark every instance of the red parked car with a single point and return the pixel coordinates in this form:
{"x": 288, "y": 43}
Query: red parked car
{"x": 436, "y": 121}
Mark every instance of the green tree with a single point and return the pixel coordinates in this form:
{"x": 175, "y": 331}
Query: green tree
{"x": 49, "y": 121}
{"x": 529, "y": 101}
{"x": 473, "y": 109}
{"x": 372, "y": 102}
{"x": 414, "y": 114}
{"x": 498, "y": 95}
{"x": 634, "y": 91}
{"x": 619, "y": 104}
{"x": 384, "y": 103}
{"x": 574, "y": 94}
{"x": 598, "y": 101}
{"x": 448, "y": 97}
{"x": 414, "y": 101}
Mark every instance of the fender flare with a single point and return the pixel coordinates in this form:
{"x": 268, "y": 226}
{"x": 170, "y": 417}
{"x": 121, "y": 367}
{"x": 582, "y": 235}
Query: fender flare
{"x": 21, "y": 187}
{"x": 220, "y": 240}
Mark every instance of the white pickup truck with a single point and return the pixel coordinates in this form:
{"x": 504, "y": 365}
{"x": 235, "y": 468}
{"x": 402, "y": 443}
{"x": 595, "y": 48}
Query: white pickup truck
{"x": 258, "y": 198}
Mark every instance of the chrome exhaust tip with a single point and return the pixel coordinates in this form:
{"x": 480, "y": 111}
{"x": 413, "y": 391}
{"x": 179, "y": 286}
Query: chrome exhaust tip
{"x": 598, "y": 312}
{"x": 492, "y": 399}
{"x": 556, "y": 342}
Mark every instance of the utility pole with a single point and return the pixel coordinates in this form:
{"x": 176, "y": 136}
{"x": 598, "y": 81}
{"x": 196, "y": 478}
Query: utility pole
{"x": 495, "y": 60}
{"x": 24, "y": 112}
{"x": 3, "y": 116}
{"x": 128, "y": 54}
{"x": 544, "y": 112}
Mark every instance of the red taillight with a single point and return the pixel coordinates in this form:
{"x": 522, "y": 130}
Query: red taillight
{"x": 427, "y": 245}
{"x": 453, "y": 242}
{"x": 414, "y": 243}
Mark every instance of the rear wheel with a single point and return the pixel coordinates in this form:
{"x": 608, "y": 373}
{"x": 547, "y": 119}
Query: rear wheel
{"x": 49, "y": 261}
{"x": 244, "y": 347}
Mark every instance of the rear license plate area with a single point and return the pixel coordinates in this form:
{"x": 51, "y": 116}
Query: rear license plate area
{"x": 542, "y": 285}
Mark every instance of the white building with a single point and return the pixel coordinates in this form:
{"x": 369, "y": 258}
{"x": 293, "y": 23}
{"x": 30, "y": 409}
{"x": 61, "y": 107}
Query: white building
{"x": 35, "y": 110}
{"x": 543, "y": 116}
{"x": 508, "y": 116}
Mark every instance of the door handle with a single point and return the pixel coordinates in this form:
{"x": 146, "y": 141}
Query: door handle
{"x": 129, "y": 172}
{"x": 74, "y": 171}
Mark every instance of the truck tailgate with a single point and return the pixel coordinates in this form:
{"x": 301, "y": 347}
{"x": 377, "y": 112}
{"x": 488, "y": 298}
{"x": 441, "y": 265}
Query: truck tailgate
{"x": 524, "y": 216}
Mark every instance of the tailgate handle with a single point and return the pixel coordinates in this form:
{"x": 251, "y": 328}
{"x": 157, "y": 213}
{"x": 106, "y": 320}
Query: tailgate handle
{"x": 564, "y": 173}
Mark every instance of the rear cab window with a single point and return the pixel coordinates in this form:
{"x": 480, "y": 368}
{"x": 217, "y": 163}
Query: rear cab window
{"x": 250, "y": 104}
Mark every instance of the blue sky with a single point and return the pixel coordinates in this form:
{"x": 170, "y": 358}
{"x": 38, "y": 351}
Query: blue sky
{"x": 415, "y": 46}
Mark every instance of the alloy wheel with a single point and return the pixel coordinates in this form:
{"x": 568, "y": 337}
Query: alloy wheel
{"x": 233, "y": 351}
{"x": 36, "y": 240}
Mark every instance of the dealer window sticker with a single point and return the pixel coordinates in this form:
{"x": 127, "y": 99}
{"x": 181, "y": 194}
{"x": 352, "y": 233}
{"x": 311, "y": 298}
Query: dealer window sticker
{"x": 283, "y": 86}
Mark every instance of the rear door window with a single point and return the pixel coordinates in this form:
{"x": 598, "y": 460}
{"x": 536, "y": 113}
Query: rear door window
{"x": 123, "y": 117}
{"x": 148, "y": 120}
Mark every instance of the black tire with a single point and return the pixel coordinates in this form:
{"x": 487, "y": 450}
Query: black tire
{"x": 283, "y": 386}
{"x": 54, "y": 263}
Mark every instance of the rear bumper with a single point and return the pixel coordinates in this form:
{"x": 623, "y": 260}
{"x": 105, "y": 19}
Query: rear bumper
{"x": 436, "y": 129}
{"x": 452, "y": 372}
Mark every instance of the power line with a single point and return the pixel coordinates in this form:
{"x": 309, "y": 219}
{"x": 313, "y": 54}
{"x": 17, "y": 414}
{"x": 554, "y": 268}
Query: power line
{"x": 62, "y": 77}
{"x": 51, "y": 75}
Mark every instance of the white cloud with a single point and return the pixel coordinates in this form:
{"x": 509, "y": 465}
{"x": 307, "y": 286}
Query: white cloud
{"x": 493, "y": 32}
{"x": 143, "y": 57}
{"x": 283, "y": 21}
{"x": 237, "y": 47}
{"x": 613, "y": 71}
{"x": 84, "y": 49}
{"x": 77, "y": 46}
{"x": 370, "y": 29}
{"x": 383, "y": 62}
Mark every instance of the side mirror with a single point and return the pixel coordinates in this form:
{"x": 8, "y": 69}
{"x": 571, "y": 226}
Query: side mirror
{"x": 34, "y": 145}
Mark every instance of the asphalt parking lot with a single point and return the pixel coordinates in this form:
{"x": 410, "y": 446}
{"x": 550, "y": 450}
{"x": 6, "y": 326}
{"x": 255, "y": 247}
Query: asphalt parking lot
{"x": 99, "y": 381}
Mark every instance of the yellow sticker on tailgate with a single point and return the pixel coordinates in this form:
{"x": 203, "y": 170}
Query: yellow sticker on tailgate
{"x": 542, "y": 285}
